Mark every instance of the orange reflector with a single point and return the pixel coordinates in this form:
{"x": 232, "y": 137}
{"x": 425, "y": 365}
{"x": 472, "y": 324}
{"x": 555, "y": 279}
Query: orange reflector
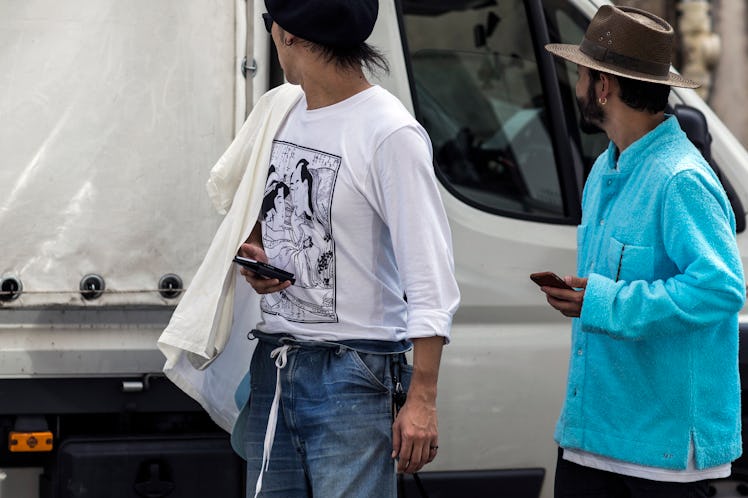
{"x": 30, "y": 441}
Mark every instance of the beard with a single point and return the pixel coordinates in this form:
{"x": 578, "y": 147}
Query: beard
{"x": 591, "y": 113}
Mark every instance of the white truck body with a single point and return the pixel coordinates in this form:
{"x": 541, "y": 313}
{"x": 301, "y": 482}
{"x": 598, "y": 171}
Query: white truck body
{"x": 113, "y": 115}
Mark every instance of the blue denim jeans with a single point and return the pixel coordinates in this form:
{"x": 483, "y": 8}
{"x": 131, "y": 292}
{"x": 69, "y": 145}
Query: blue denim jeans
{"x": 334, "y": 428}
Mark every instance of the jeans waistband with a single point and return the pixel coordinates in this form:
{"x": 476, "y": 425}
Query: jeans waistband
{"x": 369, "y": 346}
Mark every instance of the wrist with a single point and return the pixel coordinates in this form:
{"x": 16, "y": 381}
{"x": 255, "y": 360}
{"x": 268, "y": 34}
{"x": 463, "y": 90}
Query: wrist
{"x": 422, "y": 390}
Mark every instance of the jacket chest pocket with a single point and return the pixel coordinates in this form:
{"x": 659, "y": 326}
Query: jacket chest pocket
{"x": 630, "y": 262}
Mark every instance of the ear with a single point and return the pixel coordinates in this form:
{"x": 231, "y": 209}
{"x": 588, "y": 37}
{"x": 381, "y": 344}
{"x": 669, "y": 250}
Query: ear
{"x": 607, "y": 82}
{"x": 288, "y": 38}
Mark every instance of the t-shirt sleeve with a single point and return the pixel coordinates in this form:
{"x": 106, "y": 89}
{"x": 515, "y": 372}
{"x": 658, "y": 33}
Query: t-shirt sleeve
{"x": 405, "y": 193}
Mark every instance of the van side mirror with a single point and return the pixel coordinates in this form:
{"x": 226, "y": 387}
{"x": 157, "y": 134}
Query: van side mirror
{"x": 694, "y": 124}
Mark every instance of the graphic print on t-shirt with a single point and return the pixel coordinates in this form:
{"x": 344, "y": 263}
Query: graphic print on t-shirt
{"x": 297, "y": 232}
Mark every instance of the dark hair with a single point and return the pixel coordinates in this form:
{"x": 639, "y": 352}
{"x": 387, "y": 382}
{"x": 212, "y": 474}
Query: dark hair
{"x": 268, "y": 202}
{"x": 352, "y": 57}
{"x": 305, "y": 175}
{"x": 640, "y": 95}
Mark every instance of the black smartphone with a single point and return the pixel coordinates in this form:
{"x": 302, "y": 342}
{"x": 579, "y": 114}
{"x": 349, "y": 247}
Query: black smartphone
{"x": 264, "y": 269}
{"x": 549, "y": 279}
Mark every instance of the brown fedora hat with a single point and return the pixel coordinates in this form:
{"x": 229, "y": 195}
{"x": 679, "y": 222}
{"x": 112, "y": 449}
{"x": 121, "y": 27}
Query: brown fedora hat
{"x": 626, "y": 42}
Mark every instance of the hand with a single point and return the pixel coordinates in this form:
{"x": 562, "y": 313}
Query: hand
{"x": 415, "y": 437}
{"x": 261, "y": 285}
{"x": 568, "y": 302}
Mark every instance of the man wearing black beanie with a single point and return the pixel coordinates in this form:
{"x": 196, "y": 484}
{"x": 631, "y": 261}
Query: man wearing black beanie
{"x": 353, "y": 210}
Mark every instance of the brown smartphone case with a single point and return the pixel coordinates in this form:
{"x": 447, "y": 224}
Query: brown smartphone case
{"x": 549, "y": 279}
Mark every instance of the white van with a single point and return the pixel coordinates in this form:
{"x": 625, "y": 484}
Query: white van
{"x": 113, "y": 114}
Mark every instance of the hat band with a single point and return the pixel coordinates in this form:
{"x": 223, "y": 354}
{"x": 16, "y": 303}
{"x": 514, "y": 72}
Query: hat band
{"x": 606, "y": 55}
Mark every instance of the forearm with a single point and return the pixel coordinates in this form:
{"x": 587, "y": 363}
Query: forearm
{"x": 635, "y": 310}
{"x": 427, "y": 352}
{"x": 415, "y": 432}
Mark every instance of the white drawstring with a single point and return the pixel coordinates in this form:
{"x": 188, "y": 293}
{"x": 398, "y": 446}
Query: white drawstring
{"x": 280, "y": 362}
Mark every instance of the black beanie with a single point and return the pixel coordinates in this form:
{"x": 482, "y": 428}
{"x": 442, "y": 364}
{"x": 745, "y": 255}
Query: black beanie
{"x": 333, "y": 23}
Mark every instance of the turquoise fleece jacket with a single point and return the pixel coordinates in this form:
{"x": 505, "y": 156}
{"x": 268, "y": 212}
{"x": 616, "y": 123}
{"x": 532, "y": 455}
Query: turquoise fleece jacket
{"x": 654, "y": 357}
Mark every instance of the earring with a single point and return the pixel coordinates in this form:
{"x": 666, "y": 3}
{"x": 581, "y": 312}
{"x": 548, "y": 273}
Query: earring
{"x": 602, "y": 100}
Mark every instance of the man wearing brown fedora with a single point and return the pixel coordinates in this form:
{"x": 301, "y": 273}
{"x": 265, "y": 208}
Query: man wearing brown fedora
{"x": 652, "y": 405}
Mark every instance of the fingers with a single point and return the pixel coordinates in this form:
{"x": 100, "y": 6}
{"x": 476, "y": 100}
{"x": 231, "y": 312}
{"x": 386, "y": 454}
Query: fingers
{"x": 571, "y": 309}
{"x": 433, "y": 448}
{"x": 418, "y": 458}
{"x": 396, "y": 441}
{"x": 576, "y": 282}
{"x": 263, "y": 285}
{"x": 412, "y": 451}
{"x": 568, "y": 302}
{"x": 564, "y": 294}
{"x": 253, "y": 251}
{"x": 412, "y": 457}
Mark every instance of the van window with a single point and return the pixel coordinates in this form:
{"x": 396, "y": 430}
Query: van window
{"x": 478, "y": 93}
{"x": 567, "y": 25}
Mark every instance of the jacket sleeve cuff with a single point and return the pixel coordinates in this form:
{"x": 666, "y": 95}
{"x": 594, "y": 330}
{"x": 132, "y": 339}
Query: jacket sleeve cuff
{"x": 597, "y": 309}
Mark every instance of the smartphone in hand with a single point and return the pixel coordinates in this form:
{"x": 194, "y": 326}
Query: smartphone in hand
{"x": 549, "y": 279}
{"x": 264, "y": 269}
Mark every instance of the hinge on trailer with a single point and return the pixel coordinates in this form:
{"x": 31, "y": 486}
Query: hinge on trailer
{"x": 249, "y": 69}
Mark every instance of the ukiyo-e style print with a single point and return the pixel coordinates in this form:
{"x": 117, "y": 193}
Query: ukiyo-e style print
{"x": 298, "y": 233}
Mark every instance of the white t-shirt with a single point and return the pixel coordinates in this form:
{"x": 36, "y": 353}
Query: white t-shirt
{"x": 689, "y": 474}
{"x": 352, "y": 208}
